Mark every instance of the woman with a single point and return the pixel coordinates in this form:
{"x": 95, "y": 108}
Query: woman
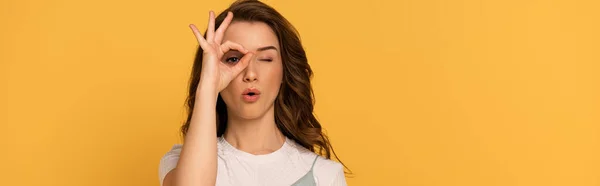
{"x": 254, "y": 71}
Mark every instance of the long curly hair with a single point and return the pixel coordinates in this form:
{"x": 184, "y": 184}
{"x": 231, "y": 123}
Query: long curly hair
{"x": 295, "y": 102}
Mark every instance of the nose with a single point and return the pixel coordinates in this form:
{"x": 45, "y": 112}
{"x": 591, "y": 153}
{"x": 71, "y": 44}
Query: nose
{"x": 250, "y": 74}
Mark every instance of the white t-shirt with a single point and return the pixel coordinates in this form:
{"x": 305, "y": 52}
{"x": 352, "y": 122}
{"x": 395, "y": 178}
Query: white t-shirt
{"x": 282, "y": 167}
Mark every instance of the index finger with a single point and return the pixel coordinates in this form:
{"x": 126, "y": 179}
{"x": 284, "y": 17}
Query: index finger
{"x": 239, "y": 67}
{"x": 199, "y": 37}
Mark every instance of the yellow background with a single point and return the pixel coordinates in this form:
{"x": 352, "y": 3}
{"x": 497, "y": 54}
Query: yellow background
{"x": 412, "y": 92}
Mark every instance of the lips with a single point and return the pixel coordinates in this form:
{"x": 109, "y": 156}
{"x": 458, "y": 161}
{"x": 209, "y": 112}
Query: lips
{"x": 251, "y": 95}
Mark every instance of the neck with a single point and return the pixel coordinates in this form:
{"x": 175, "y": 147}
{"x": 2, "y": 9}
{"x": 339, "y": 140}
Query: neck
{"x": 255, "y": 136}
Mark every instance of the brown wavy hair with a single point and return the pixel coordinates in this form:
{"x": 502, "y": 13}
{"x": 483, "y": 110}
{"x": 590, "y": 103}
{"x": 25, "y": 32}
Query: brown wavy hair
{"x": 294, "y": 103}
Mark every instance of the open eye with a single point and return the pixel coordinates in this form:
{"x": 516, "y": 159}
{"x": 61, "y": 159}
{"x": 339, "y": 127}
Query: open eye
{"x": 232, "y": 59}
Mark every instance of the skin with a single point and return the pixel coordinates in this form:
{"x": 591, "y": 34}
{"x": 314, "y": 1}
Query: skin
{"x": 236, "y": 56}
{"x": 251, "y": 126}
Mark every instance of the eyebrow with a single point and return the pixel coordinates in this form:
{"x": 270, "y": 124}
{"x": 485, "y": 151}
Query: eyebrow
{"x": 266, "y": 48}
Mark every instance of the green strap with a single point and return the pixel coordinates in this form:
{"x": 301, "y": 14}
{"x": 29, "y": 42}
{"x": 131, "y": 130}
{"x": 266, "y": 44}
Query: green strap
{"x": 314, "y": 161}
{"x": 308, "y": 179}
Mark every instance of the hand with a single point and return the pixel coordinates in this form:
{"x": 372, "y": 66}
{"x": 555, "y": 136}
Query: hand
{"x": 214, "y": 72}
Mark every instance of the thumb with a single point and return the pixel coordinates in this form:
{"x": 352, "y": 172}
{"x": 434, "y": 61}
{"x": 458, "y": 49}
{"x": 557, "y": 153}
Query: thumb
{"x": 239, "y": 67}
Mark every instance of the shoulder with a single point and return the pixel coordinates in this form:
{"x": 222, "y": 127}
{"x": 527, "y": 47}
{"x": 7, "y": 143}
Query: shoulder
{"x": 325, "y": 171}
{"x": 176, "y": 148}
{"x": 173, "y": 153}
{"x": 169, "y": 161}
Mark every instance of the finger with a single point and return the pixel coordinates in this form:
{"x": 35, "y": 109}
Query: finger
{"x": 239, "y": 67}
{"x": 199, "y": 37}
{"x": 228, "y": 45}
{"x": 221, "y": 30}
{"x": 211, "y": 27}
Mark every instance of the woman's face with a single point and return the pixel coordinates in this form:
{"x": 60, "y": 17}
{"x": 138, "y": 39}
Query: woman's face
{"x": 263, "y": 75}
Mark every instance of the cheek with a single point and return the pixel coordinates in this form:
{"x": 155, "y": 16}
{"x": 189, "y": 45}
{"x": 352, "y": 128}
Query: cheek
{"x": 275, "y": 76}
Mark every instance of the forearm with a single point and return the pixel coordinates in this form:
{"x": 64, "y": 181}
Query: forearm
{"x": 198, "y": 160}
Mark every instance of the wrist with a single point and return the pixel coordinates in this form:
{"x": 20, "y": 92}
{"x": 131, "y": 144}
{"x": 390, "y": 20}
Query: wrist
{"x": 206, "y": 89}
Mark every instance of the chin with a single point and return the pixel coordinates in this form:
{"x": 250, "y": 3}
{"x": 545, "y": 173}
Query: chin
{"x": 249, "y": 113}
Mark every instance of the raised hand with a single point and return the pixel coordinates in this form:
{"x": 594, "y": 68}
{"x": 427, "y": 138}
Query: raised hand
{"x": 215, "y": 73}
